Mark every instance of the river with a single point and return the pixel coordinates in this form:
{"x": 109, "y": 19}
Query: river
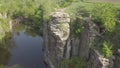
{"x": 24, "y": 49}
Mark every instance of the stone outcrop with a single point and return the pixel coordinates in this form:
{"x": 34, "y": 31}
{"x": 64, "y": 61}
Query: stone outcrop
{"x": 96, "y": 60}
{"x": 80, "y": 46}
{"x": 75, "y": 42}
{"x": 55, "y": 38}
{"x": 115, "y": 60}
{"x": 58, "y": 45}
{"x": 87, "y": 37}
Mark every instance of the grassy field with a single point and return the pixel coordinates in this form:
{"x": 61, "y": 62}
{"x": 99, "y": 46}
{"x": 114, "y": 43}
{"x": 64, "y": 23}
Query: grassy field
{"x": 115, "y": 2}
{"x": 89, "y": 5}
{"x": 110, "y": 1}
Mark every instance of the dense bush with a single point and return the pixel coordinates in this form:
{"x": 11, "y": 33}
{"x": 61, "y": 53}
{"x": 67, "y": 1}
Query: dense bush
{"x": 104, "y": 14}
{"x": 114, "y": 37}
{"x": 107, "y": 49}
{"x": 76, "y": 27}
{"x": 64, "y": 3}
{"x": 75, "y": 62}
{"x": 25, "y": 8}
{"x": 118, "y": 14}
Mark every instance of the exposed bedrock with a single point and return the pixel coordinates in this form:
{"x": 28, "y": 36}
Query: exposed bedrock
{"x": 59, "y": 44}
{"x": 55, "y": 36}
{"x": 96, "y": 60}
{"x": 115, "y": 59}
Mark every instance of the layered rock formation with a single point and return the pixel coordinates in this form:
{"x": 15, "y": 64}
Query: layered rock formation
{"x": 96, "y": 60}
{"x": 58, "y": 45}
{"x": 55, "y": 37}
{"x": 87, "y": 37}
{"x": 80, "y": 46}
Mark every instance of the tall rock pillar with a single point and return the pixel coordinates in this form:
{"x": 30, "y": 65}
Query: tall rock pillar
{"x": 56, "y": 33}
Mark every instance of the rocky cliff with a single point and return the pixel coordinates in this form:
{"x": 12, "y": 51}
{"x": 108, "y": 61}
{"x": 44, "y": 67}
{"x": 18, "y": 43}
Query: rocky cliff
{"x": 58, "y": 43}
{"x": 115, "y": 59}
{"x": 56, "y": 34}
{"x": 96, "y": 60}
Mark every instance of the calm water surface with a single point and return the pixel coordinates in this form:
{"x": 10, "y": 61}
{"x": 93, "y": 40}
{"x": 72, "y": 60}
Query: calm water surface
{"x": 26, "y": 49}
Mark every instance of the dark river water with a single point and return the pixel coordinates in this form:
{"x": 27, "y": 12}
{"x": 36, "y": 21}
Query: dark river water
{"x": 24, "y": 49}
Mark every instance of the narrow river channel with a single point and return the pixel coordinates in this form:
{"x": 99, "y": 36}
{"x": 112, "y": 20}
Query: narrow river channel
{"x": 25, "y": 49}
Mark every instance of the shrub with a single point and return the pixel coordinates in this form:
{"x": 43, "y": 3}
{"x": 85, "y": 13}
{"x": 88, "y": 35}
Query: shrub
{"x": 65, "y": 3}
{"x": 107, "y": 49}
{"x": 76, "y": 27}
{"x": 105, "y": 14}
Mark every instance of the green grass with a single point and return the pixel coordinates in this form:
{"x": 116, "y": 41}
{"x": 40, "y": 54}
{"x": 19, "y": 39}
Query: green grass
{"x": 110, "y": 1}
{"x": 72, "y": 9}
{"x": 88, "y": 5}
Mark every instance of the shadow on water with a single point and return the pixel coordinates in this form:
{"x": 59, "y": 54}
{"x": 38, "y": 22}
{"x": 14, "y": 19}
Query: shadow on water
{"x": 22, "y": 48}
{"x": 4, "y": 52}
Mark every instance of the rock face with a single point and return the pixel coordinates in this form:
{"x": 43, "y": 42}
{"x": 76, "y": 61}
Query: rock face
{"x": 75, "y": 42}
{"x": 58, "y": 45}
{"x": 87, "y": 37}
{"x": 80, "y": 45}
{"x": 115, "y": 60}
{"x": 56, "y": 34}
{"x": 96, "y": 60}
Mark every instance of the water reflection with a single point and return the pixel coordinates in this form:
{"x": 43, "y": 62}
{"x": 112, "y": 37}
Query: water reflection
{"x": 22, "y": 48}
{"x": 4, "y": 57}
{"x": 4, "y": 53}
{"x": 29, "y": 30}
